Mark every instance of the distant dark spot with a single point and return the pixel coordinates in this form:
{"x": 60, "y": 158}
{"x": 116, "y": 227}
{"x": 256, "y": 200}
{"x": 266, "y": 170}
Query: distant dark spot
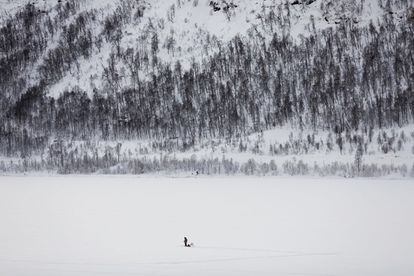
{"x": 222, "y": 5}
{"x": 306, "y": 2}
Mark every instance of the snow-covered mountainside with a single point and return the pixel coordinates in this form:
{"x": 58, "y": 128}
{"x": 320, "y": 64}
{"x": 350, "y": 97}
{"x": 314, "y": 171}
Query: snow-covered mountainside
{"x": 85, "y": 79}
{"x": 186, "y": 30}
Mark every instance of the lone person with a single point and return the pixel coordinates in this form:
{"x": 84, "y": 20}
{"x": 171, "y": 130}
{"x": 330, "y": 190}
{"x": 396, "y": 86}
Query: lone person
{"x": 186, "y": 242}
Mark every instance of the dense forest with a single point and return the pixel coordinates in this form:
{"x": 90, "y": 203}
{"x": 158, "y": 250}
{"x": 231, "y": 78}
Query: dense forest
{"x": 340, "y": 79}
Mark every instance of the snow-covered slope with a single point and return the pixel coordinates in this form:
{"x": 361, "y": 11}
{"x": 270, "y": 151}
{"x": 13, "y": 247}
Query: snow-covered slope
{"x": 180, "y": 75}
{"x": 192, "y": 30}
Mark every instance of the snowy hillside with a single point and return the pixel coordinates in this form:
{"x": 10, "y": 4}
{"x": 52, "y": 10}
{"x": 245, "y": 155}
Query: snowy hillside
{"x": 192, "y": 30}
{"x": 139, "y": 86}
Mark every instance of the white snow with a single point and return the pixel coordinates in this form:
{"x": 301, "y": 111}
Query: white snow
{"x": 90, "y": 225}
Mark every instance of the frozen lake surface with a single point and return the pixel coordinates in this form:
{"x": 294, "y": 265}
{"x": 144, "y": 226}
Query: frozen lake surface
{"x": 105, "y": 225}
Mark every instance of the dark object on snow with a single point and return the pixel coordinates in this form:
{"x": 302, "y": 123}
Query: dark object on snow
{"x": 306, "y": 2}
{"x": 186, "y": 244}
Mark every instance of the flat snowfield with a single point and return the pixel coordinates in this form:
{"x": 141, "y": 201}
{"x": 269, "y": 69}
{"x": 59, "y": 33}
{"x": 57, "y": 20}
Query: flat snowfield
{"x": 106, "y": 225}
